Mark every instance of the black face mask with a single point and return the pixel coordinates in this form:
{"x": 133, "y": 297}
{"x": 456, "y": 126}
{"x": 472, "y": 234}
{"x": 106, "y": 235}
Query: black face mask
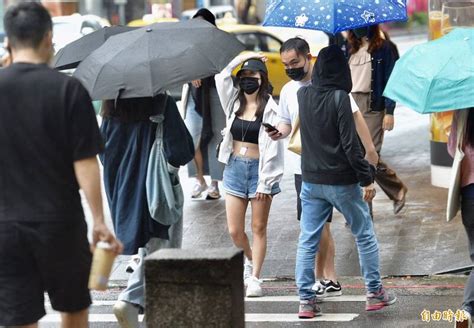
{"x": 296, "y": 74}
{"x": 249, "y": 84}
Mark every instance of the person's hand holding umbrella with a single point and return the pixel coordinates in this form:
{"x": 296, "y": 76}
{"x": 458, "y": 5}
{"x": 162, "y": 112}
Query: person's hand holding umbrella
{"x": 196, "y": 83}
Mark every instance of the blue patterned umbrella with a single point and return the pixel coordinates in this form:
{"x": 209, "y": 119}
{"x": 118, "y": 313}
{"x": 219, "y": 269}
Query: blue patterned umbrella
{"x": 333, "y": 16}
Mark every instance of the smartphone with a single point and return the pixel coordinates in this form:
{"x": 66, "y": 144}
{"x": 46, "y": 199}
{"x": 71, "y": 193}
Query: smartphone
{"x": 270, "y": 127}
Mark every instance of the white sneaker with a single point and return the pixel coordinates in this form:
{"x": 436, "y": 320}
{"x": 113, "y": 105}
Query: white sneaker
{"x": 248, "y": 269}
{"x": 254, "y": 287}
{"x": 127, "y": 314}
{"x": 133, "y": 263}
{"x": 318, "y": 286}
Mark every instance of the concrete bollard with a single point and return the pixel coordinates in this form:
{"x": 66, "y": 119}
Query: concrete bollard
{"x": 194, "y": 288}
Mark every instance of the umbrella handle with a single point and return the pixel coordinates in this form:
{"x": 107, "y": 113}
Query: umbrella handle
{"x": 119, "y": 93}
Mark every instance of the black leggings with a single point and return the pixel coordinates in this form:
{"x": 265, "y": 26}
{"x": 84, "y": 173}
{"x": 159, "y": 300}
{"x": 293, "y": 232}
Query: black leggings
{"x": 467, "y": 212}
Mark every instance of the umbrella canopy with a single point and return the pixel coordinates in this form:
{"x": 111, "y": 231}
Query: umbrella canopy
{"x": 333, "y": 16}
{"x": 436, "y": 76}
{"x": 150, "y": 60}
{"x": 71, "y": 55}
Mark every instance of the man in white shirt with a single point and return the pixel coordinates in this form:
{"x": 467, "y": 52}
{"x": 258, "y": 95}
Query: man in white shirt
{"x": 296, "y": 56}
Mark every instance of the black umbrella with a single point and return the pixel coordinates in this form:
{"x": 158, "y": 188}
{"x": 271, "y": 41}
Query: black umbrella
{"x": 71, "y": 55}
{"x": 150, "y": 60}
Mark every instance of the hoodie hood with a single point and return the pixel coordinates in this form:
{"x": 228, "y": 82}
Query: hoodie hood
{"x": 332, "y": 71}
{"x": 207, "y": 15}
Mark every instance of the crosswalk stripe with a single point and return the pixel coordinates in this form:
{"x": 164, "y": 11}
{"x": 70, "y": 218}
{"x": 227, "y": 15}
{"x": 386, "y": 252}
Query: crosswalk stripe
{"x": 343, "y": 298}
{"x": 249, "y": 317}
{"x": 291, "y": 298}
{"x": 292, "y": 317}
{"x": 104, "y": 318}
{"x": 54, "y": 317}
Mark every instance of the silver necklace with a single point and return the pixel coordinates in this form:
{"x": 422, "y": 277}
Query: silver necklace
{"x": 243, "y": 150}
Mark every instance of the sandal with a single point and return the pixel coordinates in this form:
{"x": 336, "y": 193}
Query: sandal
{"x": 213, "y": 192}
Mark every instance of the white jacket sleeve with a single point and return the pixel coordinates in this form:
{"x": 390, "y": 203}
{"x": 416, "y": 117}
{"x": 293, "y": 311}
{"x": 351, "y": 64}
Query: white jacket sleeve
{"x": 225, "y": 86}
{"x": 272, "y": 165}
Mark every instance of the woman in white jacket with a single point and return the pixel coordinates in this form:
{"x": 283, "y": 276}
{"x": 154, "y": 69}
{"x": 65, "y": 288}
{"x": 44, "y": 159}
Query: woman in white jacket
{"x": 254, "y": 163}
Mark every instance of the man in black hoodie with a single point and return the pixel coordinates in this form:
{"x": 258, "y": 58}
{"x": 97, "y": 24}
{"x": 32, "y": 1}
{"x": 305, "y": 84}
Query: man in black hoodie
{"x": 333, "y": 167}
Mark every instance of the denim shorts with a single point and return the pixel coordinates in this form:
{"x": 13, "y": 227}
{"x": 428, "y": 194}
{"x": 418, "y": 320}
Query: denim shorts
{"x": 241, "y": 177}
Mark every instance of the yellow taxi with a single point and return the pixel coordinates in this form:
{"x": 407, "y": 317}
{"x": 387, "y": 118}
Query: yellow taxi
{"x": 262, "y": 39}
{"x": 255, "y": 38}
{"x": 150, "y": 19}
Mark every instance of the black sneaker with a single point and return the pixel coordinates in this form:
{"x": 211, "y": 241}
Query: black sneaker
{"x": 330, "y": 289}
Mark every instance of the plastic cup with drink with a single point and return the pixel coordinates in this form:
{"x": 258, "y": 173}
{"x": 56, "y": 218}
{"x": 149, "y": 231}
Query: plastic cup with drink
{"x": 102, "y": 262}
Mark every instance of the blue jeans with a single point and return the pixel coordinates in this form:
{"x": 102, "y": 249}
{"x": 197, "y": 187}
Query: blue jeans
{"x": 317, "y": 202}
{"x": 135, "y": 291}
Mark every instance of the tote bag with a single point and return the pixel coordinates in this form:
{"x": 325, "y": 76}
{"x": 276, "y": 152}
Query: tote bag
{"x": 164, "y": 192}
{"x": 454, "y": 193}
{"x": 294, "y": 144}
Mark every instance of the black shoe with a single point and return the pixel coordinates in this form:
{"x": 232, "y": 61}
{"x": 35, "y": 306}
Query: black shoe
{"x": 399, "y": 204}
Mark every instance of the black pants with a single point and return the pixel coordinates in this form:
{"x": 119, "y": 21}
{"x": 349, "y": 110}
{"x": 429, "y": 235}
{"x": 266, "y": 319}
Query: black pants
{"x": 467, "y": 212}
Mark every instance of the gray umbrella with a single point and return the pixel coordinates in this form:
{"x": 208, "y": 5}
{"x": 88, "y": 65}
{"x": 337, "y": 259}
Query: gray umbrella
{"x": 150, "y": 60}
{"x": 71, "y": 55}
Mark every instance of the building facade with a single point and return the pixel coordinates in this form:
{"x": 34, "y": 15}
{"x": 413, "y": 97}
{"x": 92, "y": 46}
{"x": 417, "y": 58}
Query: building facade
{"x": 111, "y": 9}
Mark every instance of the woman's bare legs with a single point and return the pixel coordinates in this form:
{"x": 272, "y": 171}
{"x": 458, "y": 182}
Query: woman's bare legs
{"x": 198, "y": 160}
{"x": 260, "y": 213}
{"x": 235, "y": 209}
